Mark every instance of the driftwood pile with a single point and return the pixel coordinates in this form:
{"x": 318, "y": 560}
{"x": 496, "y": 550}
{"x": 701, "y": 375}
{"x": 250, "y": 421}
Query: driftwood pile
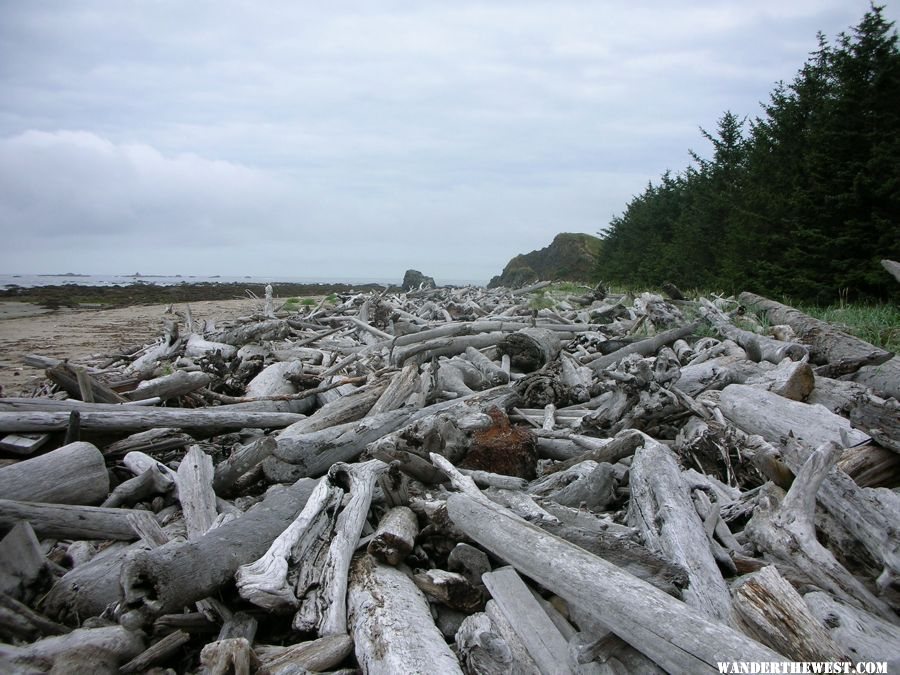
{"x": 454, "y": 480}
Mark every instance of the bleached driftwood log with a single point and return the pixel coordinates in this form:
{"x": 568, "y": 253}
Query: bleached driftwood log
{"x": 670, "y": 632}
{"x": 860, "y": 634}
{"x": 531, "y": 348}
{"x": 840, "y": 352}
{"x": 774, "y": 417}
{"x": 395, "y": 536}
{"x": 122, "y": 418}
{"x": 170, "y": 386}
{"x": 315, "y": 656}
{"x": 391, "y": 624}
{"x": 68, "y": 521}
{"x": 73, "y": 474}
{"x": 661, "y": 508}
{"x": 761, "y": 346}
{"x": 481, "y": 648}
{"x": 784, "y": 527}
{"x": 643, "y": 347}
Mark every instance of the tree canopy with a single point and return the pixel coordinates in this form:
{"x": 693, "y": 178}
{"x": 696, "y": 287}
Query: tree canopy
{"x": 802, "y": 201}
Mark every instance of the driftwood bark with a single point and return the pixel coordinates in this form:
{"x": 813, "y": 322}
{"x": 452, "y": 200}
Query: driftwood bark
{"x": 315, "y": 656}
{"x": 178, "y": 573}
{"x": 840, "y": 352}
{"x": 674, "y": 635}
{"x": 661, "y": 508}
{"x": 776, "y": 615}
{"x": 391, "y": 624}
{"x": 73, "y": 474}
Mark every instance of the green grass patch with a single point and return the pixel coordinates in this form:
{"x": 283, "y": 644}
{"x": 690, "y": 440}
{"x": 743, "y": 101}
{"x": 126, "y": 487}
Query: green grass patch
{"x": 878, "y": 324}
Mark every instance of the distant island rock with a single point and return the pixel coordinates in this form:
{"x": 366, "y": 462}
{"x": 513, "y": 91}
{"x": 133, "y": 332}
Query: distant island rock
{"x": 570, "y": 257}
{"x": 413, "y": 280}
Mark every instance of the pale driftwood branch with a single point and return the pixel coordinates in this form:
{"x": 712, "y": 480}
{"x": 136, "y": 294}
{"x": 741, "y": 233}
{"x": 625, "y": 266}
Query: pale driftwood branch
{"x": 392, "y": 628}
{"x": 123, "y": 418}
{"x": 674, "y": 635}
{"x": 784, "y": 528}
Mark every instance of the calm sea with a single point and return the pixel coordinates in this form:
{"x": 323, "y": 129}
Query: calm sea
{"x": 32, "y": 280}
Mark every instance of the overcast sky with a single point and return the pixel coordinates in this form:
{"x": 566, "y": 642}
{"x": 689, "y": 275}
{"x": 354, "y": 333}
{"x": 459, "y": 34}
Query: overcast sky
{"x": 287, "y": 139}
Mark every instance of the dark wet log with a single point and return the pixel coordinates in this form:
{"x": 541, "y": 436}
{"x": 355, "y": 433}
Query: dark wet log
{"x": 73, "y": 474}
{"x": 670, "y": 632}
{"x": 392, "y": 628}
{"x": 839, "y": 352}
{"x": 179, "y": 573}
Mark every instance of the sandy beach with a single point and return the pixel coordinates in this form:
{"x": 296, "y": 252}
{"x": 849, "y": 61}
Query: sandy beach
{"x": 76, "y": 334}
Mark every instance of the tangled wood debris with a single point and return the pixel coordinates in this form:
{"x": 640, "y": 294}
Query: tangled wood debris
{"x": 457, "y": 480}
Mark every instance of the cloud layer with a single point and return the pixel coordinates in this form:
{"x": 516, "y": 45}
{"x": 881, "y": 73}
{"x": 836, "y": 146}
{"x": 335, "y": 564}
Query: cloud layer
{"x": 282, "y": 138}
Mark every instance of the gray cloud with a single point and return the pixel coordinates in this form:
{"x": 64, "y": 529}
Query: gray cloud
{"x": 286, "y": 138}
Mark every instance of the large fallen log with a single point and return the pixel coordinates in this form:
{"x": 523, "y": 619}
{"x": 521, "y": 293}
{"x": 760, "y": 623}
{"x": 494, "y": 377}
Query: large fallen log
{"x": 178, "y": 573}
{"x": 840, "y": 352}
{"x": 73, "y": 474}
{"x": 677, "y": 637}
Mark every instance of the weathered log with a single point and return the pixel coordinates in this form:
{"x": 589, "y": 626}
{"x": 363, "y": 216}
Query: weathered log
{"x": 123, "y": 418}
{"x": 892, "y": 267}
{"x": 840, "y": 352}
{"x": 871, "y": 466}
{"x": 776, "y": 615}
{"x": 661, "y": 508}
{"x": 520, "y": 659}
{"x": 761, "y": 346}
{"x": 19, "y": 622}
{"x": 674, "y": 635}
{"x": 87, "y": 650}
{"x": 229, "y": 655}
{"x": 646, "y": 347}
{"x": 860, "y": 634}
{"x": 73, "y": 474}
{"x": 791, "y": 379}
{"x": 23, "y": 444}
{"x": 883, "y": 379}
{"x": 392, "y": 628}
{"x": 870, "y": 515}
{"x": 195, "y": 492}
{"x": 271, "y": 329}
{"x": 316, "y": 656}
{"x": 170, "y": 386}
{"x": 531, "y": 348}
{"x": 73, "y": 379}
{"x": 68, "y": 521}
{"x": 395, "y": 536}
{"x": 242, "y": 460}
{"x": 153, "y": 440}
{"x": 481, "y": 648}
{"x": 197, "y": 346}
{"x": 398, "y": 391}
{"x": 785, "y": 528}
{"x": 493, "y": 372}
{"x": 150, "y": 482}
{"x": 178, "y": 573}
{"x": 880, "y": 419}
{"x": 22, "y": 562}
{"x": 445, "y": 346}
{"x": 158, "y": 652}
{"x": 774, "y": 417}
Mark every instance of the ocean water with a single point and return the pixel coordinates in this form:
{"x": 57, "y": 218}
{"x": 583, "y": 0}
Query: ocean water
{"x": 33, "y": 280}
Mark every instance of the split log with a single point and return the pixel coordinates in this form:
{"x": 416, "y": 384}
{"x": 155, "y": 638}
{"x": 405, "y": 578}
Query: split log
{"x": 542, "y": 639}
{"x": 670, "y": 632}
{"x": 776, "y": 615}
{"x": 840, "y": 352}
{"x": 774, "y": 417}
{"x": 195, "y": 492}
{"x": 73, "y": 474}
{"x": 130, "y": 419}
{"x": 398, "y": 391}
{"x": 392, "y": 628}
{"x": 395, "y": 536}
{"x": 661, "y": 508}
{"x": 179, "y": 573}
{"x": 785, "y": 528}
{"x": 87, "y": 650}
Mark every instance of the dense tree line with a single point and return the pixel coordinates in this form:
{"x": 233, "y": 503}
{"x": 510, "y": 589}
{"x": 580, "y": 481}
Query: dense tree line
{"x": 802, "y": 201}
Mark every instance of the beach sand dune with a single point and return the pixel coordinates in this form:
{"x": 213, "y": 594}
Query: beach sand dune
{"x": 77, "y": 334}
